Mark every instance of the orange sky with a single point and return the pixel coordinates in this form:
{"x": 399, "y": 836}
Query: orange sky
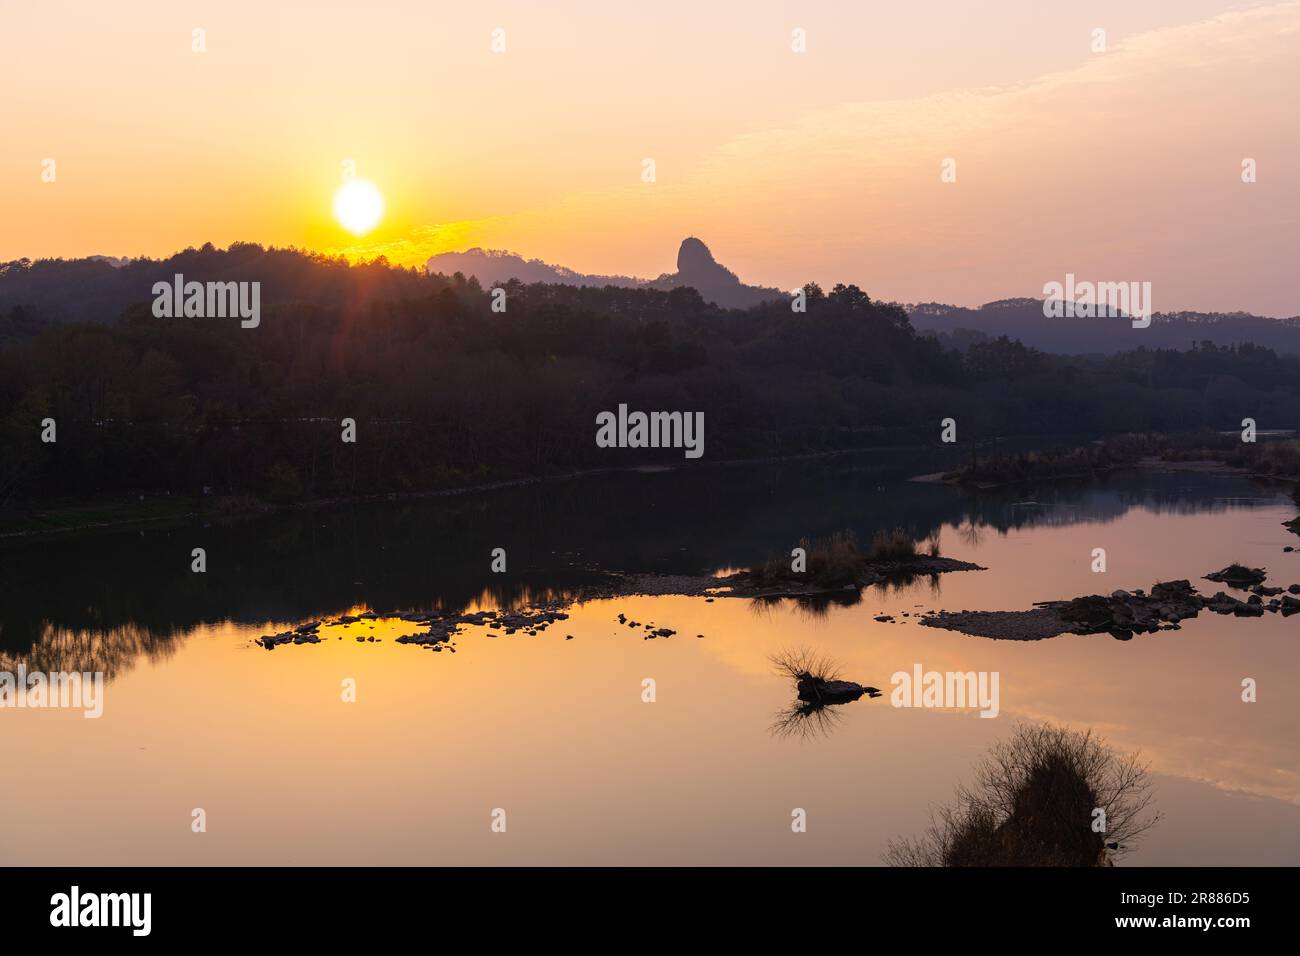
{"x": 1120, "y": 165}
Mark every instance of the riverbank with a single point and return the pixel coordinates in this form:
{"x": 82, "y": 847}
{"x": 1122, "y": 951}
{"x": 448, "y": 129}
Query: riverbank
{"x": 1216, "y": 454}
{"x": 79, "y": 517}
{"x": 1267, "y": 454}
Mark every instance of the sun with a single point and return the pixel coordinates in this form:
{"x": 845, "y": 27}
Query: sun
{"x": 358, "y": 206}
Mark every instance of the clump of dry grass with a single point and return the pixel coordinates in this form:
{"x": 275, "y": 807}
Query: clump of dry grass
{"x": 808, "y": 715}
{"x": 805, "y": 663}
{"x": 836, "y": 561}
{"x": 833, "y": 561}
{"x": 896, "y": 545}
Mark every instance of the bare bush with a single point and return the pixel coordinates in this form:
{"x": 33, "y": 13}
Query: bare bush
{"x": 1034, "y": 802}
{"x": 805, "y": 663}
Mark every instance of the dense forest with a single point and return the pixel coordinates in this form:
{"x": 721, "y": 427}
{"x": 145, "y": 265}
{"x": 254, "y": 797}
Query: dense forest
{"x": 445, "y": 391}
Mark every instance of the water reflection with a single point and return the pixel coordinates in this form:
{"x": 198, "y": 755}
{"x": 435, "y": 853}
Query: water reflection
{"x": 99, "y": 602}
{"x": 89, "y": 650}
{"x": 695, "y": 777}
{"x": 806, "y": 719}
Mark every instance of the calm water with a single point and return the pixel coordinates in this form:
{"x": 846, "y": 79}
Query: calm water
{"x": 555, "y": 731}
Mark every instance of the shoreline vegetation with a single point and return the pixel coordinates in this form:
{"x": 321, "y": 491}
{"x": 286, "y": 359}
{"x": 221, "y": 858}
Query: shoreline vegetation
{"x": 1277, "y": 459}
{"x": 1270, "y": 460}
{"x": 836, "y": 563}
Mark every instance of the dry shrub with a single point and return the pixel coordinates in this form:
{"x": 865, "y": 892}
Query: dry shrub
{"x": 1032, "y": 804}
{"x": 896, "y": 545}
{"x": 805, "y": 663}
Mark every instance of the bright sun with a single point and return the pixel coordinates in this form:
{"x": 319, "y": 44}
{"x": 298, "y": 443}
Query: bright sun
{"x": 358, "y": 206}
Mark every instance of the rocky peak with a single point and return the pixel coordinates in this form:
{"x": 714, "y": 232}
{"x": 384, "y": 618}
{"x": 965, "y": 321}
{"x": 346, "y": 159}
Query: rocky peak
{"x": 694, "y": 257}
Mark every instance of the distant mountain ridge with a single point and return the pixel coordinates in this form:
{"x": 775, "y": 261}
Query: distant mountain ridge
{"x": 1023, "y": 319}
{"x": 494, "y": 266}
{"x": 35, "y": 294}
{"x": 958, "y": 326}
{"x": 696, "y": 268}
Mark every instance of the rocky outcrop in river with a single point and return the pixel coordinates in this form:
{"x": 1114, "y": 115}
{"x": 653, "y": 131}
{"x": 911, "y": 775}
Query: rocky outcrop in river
{"x": 1122, "y": 613}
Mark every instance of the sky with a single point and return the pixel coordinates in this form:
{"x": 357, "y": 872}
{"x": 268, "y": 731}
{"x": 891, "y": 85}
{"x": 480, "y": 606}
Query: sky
{"x": 1114, "y": 164}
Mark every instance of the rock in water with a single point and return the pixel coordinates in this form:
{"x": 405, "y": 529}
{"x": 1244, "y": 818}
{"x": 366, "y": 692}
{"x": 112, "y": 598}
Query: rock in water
{"x": 1238, "y": 576}
{"x": 830, "y": 691}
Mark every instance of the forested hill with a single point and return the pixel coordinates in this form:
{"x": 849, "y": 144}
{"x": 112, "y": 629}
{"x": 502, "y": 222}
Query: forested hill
{"x": 445, "y": 391}
{"x": 97, "y": 289}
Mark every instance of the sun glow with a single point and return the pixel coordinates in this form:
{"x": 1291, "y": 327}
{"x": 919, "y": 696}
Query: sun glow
{"x": 358, "y": 206}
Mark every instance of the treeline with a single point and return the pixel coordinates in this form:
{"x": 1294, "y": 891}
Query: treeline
{"x": 445, "y": 391}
